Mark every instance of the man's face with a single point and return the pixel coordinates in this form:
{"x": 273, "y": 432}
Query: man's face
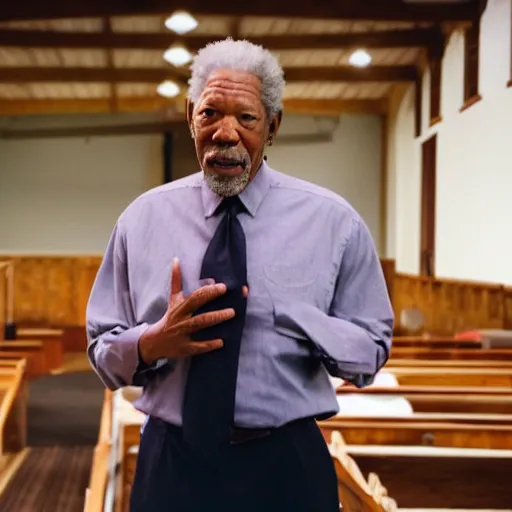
{"x": 231, "y": 128}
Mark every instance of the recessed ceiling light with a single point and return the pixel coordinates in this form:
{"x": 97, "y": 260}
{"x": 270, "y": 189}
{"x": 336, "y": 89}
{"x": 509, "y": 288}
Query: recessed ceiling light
{"x": 360, "y": 58}
{"x": 181, "y": 22}
{"x": 168, "y": 89}
{"x": 177, "y": 55}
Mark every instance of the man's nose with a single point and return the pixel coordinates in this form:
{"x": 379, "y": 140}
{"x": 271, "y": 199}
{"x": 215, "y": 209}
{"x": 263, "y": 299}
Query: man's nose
{"x": 227, "y": 132}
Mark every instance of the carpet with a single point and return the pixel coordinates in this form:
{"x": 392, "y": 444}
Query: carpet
{"x": 49, "y": 480}
{"x": 65, "y": 410}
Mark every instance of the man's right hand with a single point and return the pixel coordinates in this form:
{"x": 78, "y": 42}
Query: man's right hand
{"x": 170, "y": 337}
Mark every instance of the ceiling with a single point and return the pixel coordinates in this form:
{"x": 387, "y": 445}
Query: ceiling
{"x": 103, "y": 56}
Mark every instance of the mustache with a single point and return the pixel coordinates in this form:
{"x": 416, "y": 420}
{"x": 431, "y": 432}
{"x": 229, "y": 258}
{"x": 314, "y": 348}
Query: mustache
{"x": 236, "y": 155}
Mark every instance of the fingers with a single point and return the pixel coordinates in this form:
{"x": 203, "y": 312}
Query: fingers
{"x": 205, "y": 320}
{"x": 176, "y": 285}
{"x": 245, "y": 291}
{"x": 200, "y": 297}
{"x": 195, "y": 348}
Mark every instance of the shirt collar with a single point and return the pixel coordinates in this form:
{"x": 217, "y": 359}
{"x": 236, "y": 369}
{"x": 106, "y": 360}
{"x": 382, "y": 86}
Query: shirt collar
{"x": 252, "y": 196}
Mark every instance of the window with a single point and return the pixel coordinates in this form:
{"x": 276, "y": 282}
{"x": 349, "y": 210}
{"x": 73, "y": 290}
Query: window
{"x": 435, "y": 89}
{"x": 471, "y": 64}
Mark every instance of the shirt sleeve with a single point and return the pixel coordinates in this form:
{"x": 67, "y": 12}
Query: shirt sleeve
{"x": 354, "y": 340}
{"x": 112, "y": 331}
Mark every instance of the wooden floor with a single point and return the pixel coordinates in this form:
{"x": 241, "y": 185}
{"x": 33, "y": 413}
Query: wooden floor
{"x": 49, "y": 480}
{"x": 74, "y": 362}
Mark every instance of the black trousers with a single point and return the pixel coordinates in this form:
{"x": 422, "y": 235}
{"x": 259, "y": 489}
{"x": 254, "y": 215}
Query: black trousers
{"x": 289, "y": 470}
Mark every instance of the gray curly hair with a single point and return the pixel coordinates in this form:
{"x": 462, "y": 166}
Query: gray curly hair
{"x": 241, "y": 56}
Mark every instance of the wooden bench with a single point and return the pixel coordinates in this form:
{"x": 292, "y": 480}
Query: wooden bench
{"x": 452, "y": 363}
{"x": 430, "y": 477}
{"x": 99, "y": 479}
{"x": 354, "y": 491}
{"x": 13, "y": 410}
{"x": 457, "y": 441}
{"x": 446, "y": 376}
{"x": 29, "y": 350}
{"x": 434, "y": 342}
{"x": 420, "y": 431}
{"x": 52, "y": 343}
{"x": 495, "y": 354}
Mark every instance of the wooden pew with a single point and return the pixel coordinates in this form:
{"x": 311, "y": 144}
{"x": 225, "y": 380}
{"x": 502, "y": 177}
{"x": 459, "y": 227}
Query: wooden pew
{"x": 13, "y": 410}
{"x": 446, "y": 376}
{"x": 451, "y": 363}
{"x": 356, "y": 494}
{"x": 495, "y": 354}
{"x": 99, "y": 478}
{"x": 421, "y": 431}
{"x": 415, "y": 454}
{"x": 115, "y": 454}
{"x": 51, "y": 340}
{"x": 32, "y": 351}
{"x": 434, "y": 342}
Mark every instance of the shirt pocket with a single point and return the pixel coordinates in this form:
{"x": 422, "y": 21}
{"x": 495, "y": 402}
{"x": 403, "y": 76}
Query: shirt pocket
{"x": 296, "y": 278}
{"x": 301, "y": 282}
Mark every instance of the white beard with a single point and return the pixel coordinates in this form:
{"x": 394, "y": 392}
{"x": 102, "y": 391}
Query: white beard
{"x": 228, "y": 186}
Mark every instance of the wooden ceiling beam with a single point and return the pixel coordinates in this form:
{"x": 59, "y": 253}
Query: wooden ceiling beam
{"x": 331, "y": 107}
{"x": 160, "y": 41}
{"x": 382, "y": 10}
{"x": 93, "y": 131}
{"x": 351, "y": 74}
{"x": 157, "y": 75}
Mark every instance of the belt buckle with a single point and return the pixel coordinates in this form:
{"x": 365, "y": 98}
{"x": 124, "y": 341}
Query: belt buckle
{"x": 244, "y": 435}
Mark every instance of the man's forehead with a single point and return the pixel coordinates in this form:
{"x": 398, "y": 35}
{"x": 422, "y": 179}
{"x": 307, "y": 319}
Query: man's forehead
{"x": 221, "y": 90}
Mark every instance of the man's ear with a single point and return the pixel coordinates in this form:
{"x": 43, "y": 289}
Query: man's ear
{"x": 275, "y": 123}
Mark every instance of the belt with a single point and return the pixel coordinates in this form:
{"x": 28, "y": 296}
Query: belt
{"x": 244, "y": 435}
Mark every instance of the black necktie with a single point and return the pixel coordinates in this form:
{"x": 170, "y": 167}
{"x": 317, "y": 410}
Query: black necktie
{"x": 209, "y": 401}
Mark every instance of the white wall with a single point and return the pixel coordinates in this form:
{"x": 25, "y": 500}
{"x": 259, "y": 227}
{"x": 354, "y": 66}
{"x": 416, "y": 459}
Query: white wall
{"x": 64, "y": 195}
{"x": 474, "y": 164}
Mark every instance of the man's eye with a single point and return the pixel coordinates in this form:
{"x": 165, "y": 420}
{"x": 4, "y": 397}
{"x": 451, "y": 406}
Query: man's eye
{"x": 208, "y": 112}
{"x": 248, "y": 117}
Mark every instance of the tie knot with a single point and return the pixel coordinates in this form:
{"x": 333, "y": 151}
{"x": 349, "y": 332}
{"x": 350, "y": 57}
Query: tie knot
{"x": 232, "y": 205}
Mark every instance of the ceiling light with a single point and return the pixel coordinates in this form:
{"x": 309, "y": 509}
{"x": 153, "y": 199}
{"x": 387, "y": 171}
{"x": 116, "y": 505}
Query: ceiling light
{"x": 360, "y": 58}
{"x": 181, "y": 22}
{"x": 177, "y": 55}
{"x": 168, "y": 89}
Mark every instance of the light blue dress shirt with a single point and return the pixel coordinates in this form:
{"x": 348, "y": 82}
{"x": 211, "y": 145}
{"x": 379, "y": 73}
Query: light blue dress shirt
{"x": 317, "y": 304}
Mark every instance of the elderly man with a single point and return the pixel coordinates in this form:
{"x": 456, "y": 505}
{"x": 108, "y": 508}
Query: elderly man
{"x": 274, "y": 286}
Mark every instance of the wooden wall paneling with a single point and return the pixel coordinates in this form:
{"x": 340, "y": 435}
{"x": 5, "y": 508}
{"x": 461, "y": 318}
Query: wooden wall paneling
{"x": 86, "y": 274}
{"x": 60, "y": 282}
{"x": 450, "y": 306}
{"x": 52, "y": 290}
{"x": 507, "y": 307}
